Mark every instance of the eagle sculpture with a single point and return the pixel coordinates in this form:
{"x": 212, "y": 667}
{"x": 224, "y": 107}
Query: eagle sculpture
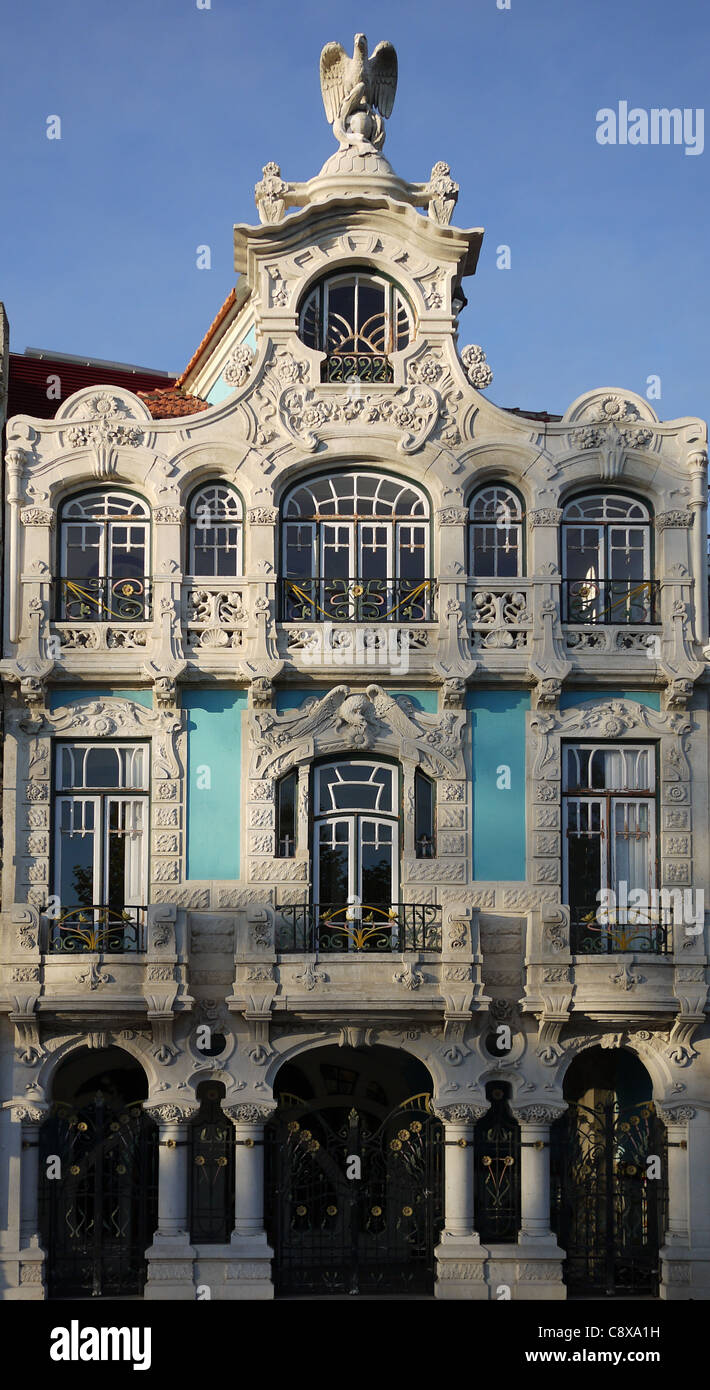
{"x": 358, "y": 91}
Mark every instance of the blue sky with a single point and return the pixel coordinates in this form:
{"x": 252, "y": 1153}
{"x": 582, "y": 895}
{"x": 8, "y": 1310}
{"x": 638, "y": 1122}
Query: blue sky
{"x": 169, "y": 112}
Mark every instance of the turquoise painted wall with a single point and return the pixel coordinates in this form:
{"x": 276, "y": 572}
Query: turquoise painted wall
{"x": 214, "y": 741}
{"x": 650, "y": 698}
{"x": 220, "y": 389}
{"x": 498, "y": 738}
{"x": 62, "y": 695}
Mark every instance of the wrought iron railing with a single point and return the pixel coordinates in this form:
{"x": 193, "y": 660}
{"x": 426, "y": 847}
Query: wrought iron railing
{"x": 356, "y": 600}
{"x": 357, "y": 366}
{"x": 112, "y": 930}
{"x": 610, "y": 600}
{"x": 366, "y": 927}
{"x": 596, "y": 931}
{"x": 103, "y": 600}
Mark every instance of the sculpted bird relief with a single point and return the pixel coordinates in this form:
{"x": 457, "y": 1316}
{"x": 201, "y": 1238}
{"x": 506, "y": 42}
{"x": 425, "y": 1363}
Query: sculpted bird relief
{"x": 359, "y": 91}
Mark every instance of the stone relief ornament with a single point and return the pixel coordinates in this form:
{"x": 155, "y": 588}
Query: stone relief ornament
{"x": 358, "y": 92}
{"x": 239, "y": 366}
{"x": 415, "y": 411}
{"x": 357, "y": 720}
{"x": 269, "y": 194}
{"x": 443, "y": 193}
{"x": 476, "y": 367}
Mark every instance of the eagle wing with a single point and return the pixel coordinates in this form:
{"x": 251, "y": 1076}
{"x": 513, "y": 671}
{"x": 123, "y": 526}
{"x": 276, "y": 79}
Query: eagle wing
{"x": 334, "y": 63}
{"x": 383, "y": 77}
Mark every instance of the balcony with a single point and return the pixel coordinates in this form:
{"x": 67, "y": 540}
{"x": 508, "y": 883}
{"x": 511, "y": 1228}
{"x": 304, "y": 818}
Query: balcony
{"x": 366, "y": 928}
{"x": 610, "y": 601}
{"x": 371, "y": 367}
{"x": 356, "y": 600}
{"x": 597, "y": 931}
{"x": 97, "y": 600}
{"x": 112, "y": 931}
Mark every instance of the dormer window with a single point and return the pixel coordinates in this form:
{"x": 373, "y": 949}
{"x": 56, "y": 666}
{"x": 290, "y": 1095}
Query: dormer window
{"x": 358, "y": 319}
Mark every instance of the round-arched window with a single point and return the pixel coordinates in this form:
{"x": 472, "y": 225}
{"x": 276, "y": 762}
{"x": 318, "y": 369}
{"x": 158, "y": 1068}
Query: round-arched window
{"x": 104, "y": 558}
{"x": 355, "y": 546}
{"x": 358, "y": 319}
{"x": 215, "y": 532}
{"x": 606, "y": 557}
{"x": 495, "y": 533}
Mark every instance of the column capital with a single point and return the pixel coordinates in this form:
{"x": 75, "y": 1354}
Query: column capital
{"x": 675, "y": 1115}
{"x": 169, "y": 1114}
{"x": 461, "y": 1114}
{"x": 537, "y": 1114}
{"x": 246, "y": 1114}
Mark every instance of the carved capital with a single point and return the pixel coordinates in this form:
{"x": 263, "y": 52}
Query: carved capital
{"x": 169, "y": 1114}
{"x": 461, "y": 1114}
{"x": 249, "y": 1114}
{"x": 538, "y": 1114}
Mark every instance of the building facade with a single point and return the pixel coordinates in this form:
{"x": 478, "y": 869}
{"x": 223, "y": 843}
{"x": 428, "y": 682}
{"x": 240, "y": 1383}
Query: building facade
{"x": 355, "y": 798}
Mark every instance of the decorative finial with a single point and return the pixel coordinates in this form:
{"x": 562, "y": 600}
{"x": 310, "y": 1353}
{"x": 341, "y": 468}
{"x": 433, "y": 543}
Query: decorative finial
{"x": 358, "y": 92}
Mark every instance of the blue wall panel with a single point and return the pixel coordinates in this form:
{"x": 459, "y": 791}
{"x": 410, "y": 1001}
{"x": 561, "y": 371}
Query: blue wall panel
{"x": 62, "y": 695}
{"x": 498, "y": 740}
{"x": 650, "y": 698}
{"x": 213, "y": 811}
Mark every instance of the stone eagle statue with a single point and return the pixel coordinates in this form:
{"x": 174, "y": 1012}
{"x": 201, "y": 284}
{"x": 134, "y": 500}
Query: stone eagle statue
{"x": 357, "y": 92}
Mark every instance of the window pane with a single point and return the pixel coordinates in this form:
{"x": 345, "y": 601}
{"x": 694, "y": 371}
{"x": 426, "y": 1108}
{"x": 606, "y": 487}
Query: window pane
{"x": 376, "y": 846}
{"x": 82, "y": 551}
{"x": 102, "y": 766}
{"x": 286, "y": 816}
{"x": 584, "y": 852}
{"x": 631, "y": 849}
{"x": 333, "y": 858}
{"x": 423, "y": 816}
{"x": 75, "y": 877}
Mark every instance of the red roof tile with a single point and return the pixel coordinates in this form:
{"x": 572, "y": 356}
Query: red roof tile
{"x": 229, "y": 301}
{"x": 28, "y": 382}
{"x": 168, "y": 404}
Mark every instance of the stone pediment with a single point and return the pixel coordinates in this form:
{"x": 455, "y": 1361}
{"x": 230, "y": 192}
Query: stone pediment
{"x": 349, "y": 720}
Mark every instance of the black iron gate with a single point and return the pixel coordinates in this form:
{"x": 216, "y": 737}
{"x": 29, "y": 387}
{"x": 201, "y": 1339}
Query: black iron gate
{"x": 98, "y": 1197}
{"x": 355, "y": 1200}
{"x": 609, "y": 1195}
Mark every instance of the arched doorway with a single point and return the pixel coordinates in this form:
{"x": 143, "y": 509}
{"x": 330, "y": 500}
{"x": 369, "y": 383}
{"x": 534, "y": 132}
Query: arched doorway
{"x": 98, "y": 1177}
{"x": 354, "y": 1174}
{"x": 609, "y": 1184}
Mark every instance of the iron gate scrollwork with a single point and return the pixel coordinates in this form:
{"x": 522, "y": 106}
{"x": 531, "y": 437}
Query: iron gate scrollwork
{"x": 608, "y": 1201}
{"x": 98, "y": 1203}
{"x": 369, "y": 1234}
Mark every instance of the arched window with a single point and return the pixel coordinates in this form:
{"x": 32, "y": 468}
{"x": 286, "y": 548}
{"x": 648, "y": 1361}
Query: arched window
{"x": 495, "y": 533}
{"x": 104, "y": 558}
{"x": 356, "y": 548}
{"x": 606, "y": 557}
{"x": 215, "y": 532}
{"x": 358, "y": 319}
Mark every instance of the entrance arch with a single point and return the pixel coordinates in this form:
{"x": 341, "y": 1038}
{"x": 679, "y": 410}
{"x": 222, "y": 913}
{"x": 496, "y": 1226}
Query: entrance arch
{"x": 609, "y": 1176}
{"x": 98, "y": 1177}
{"x": 354, "y": 1174}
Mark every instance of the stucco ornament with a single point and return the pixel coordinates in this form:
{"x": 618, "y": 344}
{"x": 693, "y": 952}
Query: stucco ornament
{"x": 357, "y": 92}
{"x": 444, "y": 193}
{"x": 269, "y": 194}
{"x": 476, "y": 367}
{"x": 238, "y": 366}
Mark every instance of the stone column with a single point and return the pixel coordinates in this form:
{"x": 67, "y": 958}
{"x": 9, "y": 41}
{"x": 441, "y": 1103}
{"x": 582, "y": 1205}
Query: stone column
{"x": 685, "y": 1256}
{"x": 459, "y": 1254}
{"x": 31, "y": 1251}
{"x": 170, "y": 1257}
{"x": 250, "y": 1253}
{"x": 542, "y": 1266}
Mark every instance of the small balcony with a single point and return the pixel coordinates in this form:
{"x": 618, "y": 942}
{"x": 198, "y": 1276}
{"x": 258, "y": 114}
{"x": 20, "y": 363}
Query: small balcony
{"x": 357, "y": 600}
{"x": 359, "y": 928}
{"x": 596, "y": 931}
{"x": 610, "y": 601}
{"x": 109, "y": 930}
{"x": 371, "y": 367}
{"x": 103, "y": 600}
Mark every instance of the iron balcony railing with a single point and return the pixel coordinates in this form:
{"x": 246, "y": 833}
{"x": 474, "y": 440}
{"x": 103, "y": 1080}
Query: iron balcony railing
{"x": 366, "y": 927}
{"x": 356, "y": 600}
{"x": 610, "y": 600}
{"x": 357, "y": 366}
{"x": 597, "y": 931}
{"x": 111, "y": 930}
{"x": 103, "y": 600}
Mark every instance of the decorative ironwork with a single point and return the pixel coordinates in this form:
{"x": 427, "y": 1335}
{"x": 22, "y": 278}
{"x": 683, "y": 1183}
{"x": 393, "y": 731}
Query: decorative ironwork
{"x": 607, "y": 1211}
{"x": 357, "y": 366}
{"x": 610, "y": 601}
{"x": 114, "y": 931}
{"x": 327, "y": 927}
{"x": 103, "y": 600}
{"x": 211, "y": 1172}
{"x": 497, "y": 1165}
{"x": 596, "y": 931}
{"x": 98, "y": 1217}
{"x": 369, "y": 1234}
{"x": 356, "y": 600}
